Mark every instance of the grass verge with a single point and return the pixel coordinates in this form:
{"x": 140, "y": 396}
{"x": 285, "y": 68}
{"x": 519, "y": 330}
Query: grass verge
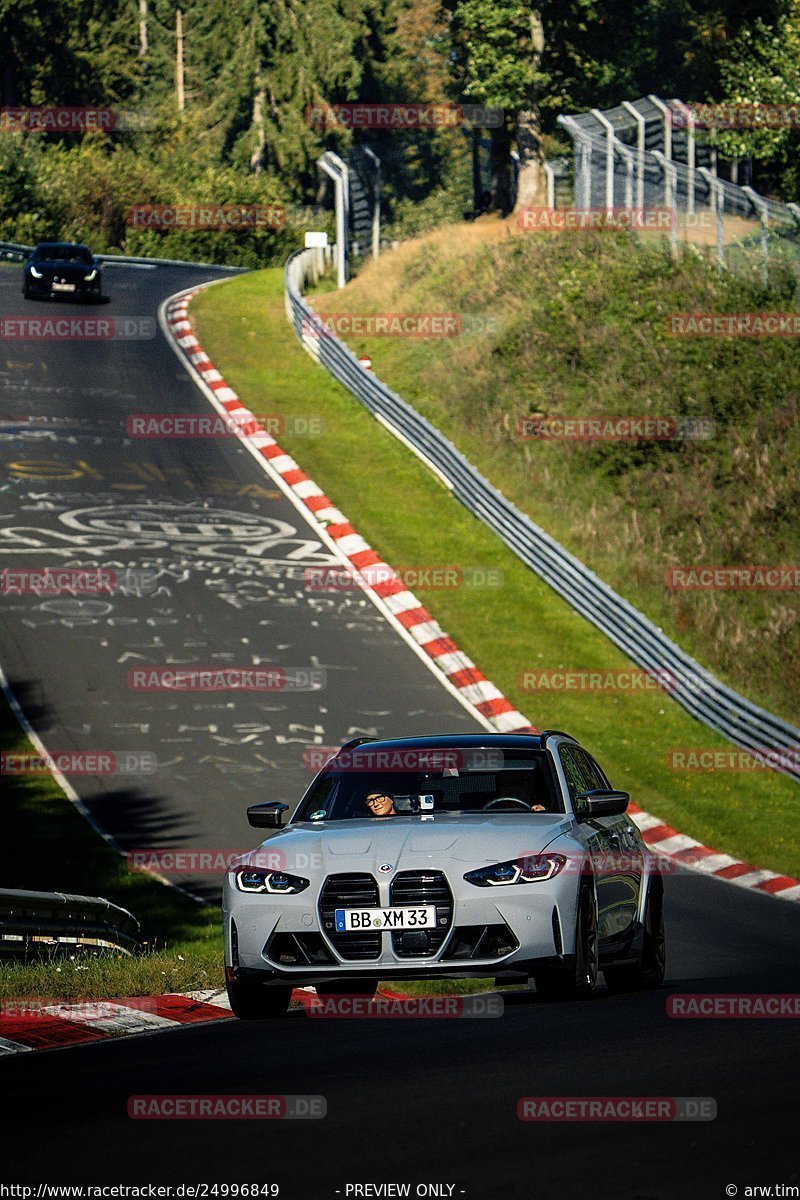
{"x": 48, "y": 846}
{"x": 410, "y": 518}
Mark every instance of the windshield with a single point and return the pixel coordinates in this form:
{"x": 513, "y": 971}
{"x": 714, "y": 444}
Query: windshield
{"x": 70, "y": 254}
{"x": 520, "y": 785}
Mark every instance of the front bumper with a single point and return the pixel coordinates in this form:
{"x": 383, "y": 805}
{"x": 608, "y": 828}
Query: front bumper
{"x": 491, "y": 931}
{"x": 43, "y": 288}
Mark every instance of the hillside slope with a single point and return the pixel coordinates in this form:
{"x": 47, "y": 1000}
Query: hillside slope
{"x": 575, "y": 326}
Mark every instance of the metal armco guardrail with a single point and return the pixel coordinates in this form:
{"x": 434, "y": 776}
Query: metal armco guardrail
{"x": 33, "y": 923}
{"x": 696, "y": 689}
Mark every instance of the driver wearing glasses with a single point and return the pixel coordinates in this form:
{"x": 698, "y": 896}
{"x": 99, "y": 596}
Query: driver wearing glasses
{"x": 379, "y": 804}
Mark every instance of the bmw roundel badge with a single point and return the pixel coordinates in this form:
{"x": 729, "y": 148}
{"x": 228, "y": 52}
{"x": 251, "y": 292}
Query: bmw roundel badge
{"x": 386, "y": 868}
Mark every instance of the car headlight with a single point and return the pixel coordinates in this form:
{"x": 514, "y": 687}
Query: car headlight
{"x": 92, "y": 275}
{"x": 534, "y": 869}
{"x": 276, "y": 883}
{"x": 36, "y": 274}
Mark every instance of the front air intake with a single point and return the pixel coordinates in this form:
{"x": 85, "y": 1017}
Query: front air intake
{"x": 349, "y": 891}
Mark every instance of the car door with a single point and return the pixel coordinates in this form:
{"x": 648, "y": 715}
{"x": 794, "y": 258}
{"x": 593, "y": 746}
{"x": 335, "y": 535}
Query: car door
{"x": 594, "y": 833}
{"x": 623, "y": 871}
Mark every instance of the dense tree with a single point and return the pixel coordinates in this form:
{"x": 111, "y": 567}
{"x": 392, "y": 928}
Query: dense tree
{"x": 252, "y": 68}
{"x": 761, "y": 77}
{"x": 536, "y": 58}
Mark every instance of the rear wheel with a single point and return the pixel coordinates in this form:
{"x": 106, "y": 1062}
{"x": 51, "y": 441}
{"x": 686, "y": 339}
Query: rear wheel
{"x": 252, "y": 1000}
{"x": 575, "y": 982}
{"x": 648, "y": 972}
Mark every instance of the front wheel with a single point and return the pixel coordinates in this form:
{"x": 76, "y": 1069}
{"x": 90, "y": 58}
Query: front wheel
{"x": 577, "y": 981}
{"x": 252, "y": 1000}
{"x": 648, "y": 972}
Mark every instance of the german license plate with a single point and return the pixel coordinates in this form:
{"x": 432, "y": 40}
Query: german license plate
{"x": 63, "y": 287}
{"x": 350, "y": 919}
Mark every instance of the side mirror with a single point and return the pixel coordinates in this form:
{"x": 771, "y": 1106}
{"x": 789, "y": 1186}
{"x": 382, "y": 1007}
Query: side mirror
{"x": 603, "y": 803}
{"x": 268, "y": 815}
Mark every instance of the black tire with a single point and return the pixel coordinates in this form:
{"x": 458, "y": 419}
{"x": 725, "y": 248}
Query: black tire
{"x": 575, "y": 982}
{"x": 648, "y": 972}
{"x": 252, "y": 1000}
{"x": 347, "y": 987}
{"x": 27, "y": 293}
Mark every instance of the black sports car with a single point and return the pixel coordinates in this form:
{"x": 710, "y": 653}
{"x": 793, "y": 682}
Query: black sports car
{"x": 62, "y": 269}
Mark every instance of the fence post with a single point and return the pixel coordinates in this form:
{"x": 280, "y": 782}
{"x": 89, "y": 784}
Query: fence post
{"x": 666, "y": 113}
{"x": 690, "y": 152}
{"x": 583, "y": 181}
{"x": 336, "y": 170}
{"x": 669, "y": 195}
{"x": 610, "y": 139}
{"x": 626, "y": 154}
{"x": 641, "y": 125}
{"x": 376, "y": 202}
{"x": 717, "y": 197}
{"x": 550, "y": 175}
{"x": 760, "y": 205}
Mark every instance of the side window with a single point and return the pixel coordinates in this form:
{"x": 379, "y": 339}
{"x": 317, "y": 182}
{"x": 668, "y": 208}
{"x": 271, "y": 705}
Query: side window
{"x": 577, "y": 780}
{"x": 591, "y": 769}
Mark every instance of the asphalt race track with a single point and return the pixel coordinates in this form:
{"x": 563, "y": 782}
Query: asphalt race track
{"x": 435, "y": 1100}
{"x": 226, "y": 556}
{"x": 425, "y": 1101}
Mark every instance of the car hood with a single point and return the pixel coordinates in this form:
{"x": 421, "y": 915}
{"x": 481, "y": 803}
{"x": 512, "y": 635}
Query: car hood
{"x": 409, "y": 843}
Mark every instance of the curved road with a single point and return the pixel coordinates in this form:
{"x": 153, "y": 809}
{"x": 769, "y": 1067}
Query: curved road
{"x": 223, "y": 556}
{"x": 409, "y": 1102}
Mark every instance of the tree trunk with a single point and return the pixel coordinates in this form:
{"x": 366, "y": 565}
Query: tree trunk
{"x": 257, "y": 157}
{"x": 532, "y": 181}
